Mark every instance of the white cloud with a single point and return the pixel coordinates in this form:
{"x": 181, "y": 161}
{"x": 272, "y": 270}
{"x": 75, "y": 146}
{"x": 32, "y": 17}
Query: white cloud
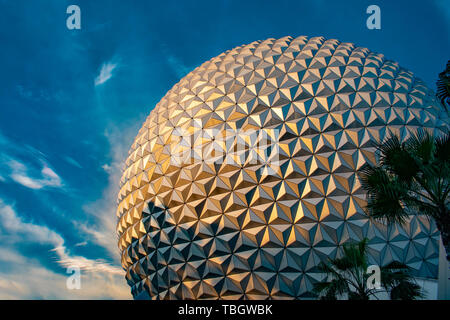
{"x": 35, "y": 173}
{"x": 107, "y": 167}
{"x": 104, "y": 209}
{"x": 30, "y": 232}
{"x": 29, "y": 279}
{"x": 73, "y": 162}
{"x": 177, "y": 66}
{"x": 96, "y": 265}
{"x": 22, "y": 231}
{"x": 21, "y": 175}
{"x": 105, "y": 73}
{"x": 81, "y": 244}
{"x": 39, "y": 95}
{"x": 26, "y": 181}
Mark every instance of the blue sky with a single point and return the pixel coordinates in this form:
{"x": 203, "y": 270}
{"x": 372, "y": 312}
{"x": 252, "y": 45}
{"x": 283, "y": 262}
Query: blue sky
{"x": 71, "y": 102}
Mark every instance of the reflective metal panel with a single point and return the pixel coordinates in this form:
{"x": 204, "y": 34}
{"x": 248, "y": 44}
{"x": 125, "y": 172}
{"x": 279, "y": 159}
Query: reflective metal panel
{"x": 244, "y": 176}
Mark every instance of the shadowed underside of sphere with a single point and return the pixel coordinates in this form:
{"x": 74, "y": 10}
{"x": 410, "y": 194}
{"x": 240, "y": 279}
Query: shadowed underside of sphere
{"x": 195, "y": 223}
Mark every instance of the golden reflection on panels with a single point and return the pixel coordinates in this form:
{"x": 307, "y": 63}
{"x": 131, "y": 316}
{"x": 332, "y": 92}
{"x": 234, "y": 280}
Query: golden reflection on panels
{"x": 244, "y": 176}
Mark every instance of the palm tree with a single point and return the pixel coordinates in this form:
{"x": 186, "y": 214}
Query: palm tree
{"x": 443, "y": 86}
{"x": 412, "y": 177}
{"x": 349, "y": 276}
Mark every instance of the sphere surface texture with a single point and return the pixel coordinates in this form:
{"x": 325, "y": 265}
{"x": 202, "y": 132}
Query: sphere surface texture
{"x": 244, "y": 176}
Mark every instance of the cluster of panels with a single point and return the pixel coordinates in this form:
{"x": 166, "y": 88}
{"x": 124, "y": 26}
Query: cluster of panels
{"x": 200, "y": 218}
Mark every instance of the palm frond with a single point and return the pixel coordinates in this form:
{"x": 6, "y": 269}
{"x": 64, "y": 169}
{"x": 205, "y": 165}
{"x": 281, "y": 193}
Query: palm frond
{"x": 348, "y": 275}
{"x": 421, "y": 147}
{"x": 330, "y": 290}
{"x": 355, "y": 254}
{"x": 411, "y": 177}
{"x": 442, "y": 150}
{"x": 443, "y": 85}
{"x": 393, "y": 273}
{"x": 407, "y": 290}
{"x": 384, "y": 194}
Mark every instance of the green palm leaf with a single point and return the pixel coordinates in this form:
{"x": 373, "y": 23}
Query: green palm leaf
{"x": 348, "y": 276}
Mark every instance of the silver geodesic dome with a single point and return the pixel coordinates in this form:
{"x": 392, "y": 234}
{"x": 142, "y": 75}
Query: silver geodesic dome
{"x": 205, "y": 212}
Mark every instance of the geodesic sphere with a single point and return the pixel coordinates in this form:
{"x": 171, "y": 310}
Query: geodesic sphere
{"x": 244, "y": 176}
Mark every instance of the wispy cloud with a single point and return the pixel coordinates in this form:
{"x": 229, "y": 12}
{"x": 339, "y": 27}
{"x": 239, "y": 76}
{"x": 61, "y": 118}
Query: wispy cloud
{"x": 28, "y": 279}
{"x": 39, "y": 95}
{"x": 81, "y": 244}
{"x": 30, "y": 232}
{"x": 97, "y": 274}
{"x": 35, "y": 172}
{"x": 107, "y": 168}
{"x": 101, "y": 278}
{"x": 21, "y": 174}
{"x": 177, "y": 66}
{"x": 106, "y": 72}
{"x": 23, "y": 231}
{"x": 91, "y": 265}
{"x": 104, "y": 210}
{"x": 73, "y": 162}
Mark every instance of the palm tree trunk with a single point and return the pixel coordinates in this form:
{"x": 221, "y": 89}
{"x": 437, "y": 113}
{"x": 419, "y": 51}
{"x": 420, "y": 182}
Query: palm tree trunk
{"x": 443, "y": 225}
